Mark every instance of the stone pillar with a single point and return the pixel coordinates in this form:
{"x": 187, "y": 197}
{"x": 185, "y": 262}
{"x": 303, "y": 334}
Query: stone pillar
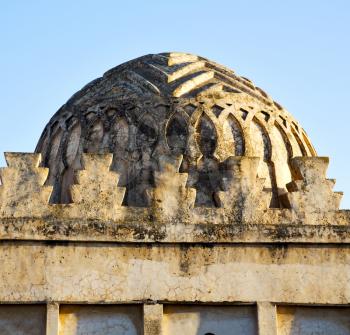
{"x": 52, "y": 319}
{"x": 267, "y": 318}
{"x": 152, "y": 319}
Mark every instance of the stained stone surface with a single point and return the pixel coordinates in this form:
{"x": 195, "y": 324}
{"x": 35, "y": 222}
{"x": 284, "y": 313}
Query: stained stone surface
{"x": 172, "y": 104}
{"x": 171, "y": 196}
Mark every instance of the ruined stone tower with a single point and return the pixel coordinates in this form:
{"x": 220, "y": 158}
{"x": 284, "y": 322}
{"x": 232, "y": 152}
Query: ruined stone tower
{"x": 172, "y": 196}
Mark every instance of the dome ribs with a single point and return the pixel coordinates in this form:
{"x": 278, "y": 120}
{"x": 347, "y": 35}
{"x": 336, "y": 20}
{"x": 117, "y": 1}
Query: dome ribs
{"x": 155, "y": 71}
{"x": 207, "y": 88}
{"x": 238, "y": 82}
{"x": 141, "y": 82}
{"x": 179, "y": 57}
{"x": 159, "y": 74}
{"x": 158, "y": 58}
{"x": 193, "y": 83}
{"x": 218, "y": 87}
{"x": 155, "y": 74}
{"x": 187, "y": 69}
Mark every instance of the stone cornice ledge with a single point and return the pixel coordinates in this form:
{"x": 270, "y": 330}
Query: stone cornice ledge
{"x": 280, "y": 229}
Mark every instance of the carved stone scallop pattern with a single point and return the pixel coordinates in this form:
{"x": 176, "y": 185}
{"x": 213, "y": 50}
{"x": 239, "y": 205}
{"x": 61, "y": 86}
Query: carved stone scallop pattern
{"x": 172, "y": 104}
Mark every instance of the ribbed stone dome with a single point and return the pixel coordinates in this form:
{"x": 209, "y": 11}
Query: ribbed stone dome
{"x": 172, "y": 104}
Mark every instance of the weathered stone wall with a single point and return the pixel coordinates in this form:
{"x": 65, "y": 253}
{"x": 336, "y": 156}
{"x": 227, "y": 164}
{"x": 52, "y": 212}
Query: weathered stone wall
{"x": 214, "y": 276}
{"x": 173, "y": 197}
{"x": 95, "y": 259}
{"x": 79, "y": 272}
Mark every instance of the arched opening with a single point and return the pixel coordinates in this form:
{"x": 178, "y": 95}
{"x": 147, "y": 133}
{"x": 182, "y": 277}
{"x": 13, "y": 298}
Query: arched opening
{"x": 147, "y": 134}
{"x": 281, "y": 157}
{"x": 119, "y": 135}
{"x": 206, "y": 136}
{"x": 302, "y": 150}
{"x": 118, "y": 143}
{"x": 309, "y": 146}
{"x": 140, "y": 171}
{"x": 208, "y": 174}
{"x": 233, "y": 135}
{"x": 55, "y": 163}
{"x": 177, "y": 134}
{"x": 261, "y": 146}
{"x": 94, "y": 138}
{"x": 72, "y": 161}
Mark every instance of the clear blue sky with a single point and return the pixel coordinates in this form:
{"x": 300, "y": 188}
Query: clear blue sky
{"x": 297, "y": 51}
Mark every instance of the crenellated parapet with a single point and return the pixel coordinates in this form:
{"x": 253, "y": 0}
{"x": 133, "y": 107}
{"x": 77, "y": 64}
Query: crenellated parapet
{"x": 22, "y": 193}
{"x": 243, "y": 193}
{"x": 171, "y": 197}
{"x": 96, "y": 194}
{"x": 243, "y": 198}
{"x": 311, "y": 193}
